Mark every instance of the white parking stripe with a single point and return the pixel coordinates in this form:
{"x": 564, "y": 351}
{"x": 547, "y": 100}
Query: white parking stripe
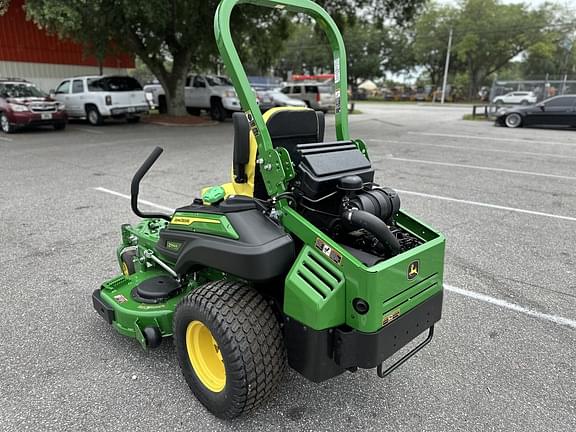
{"x": 483, "y": 168}
{"x": 472, "y": 294}
{"x": 6, "y": 139}
{"x": 140, "y": 201}
{"x": 512, "y": 306}
{"x": 494, "y": 206}
{"x": 477, "y": 149}
{"x": 487, "y": 138}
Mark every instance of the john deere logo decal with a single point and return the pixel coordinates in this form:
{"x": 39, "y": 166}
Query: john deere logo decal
{"x": 413, "y": 269}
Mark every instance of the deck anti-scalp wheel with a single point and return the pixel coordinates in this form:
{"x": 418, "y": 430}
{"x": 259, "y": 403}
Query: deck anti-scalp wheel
{"x": 229, "y": 346}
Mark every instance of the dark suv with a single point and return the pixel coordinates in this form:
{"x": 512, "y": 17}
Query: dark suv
{"x": 23, "y": 104}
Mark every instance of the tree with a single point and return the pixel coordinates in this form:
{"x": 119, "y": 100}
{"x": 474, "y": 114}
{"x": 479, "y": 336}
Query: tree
{"x": 170, "y": 35}
{"x": 489, "y": 34}
{"x": 430, "y": 41}
{"x": 555, "y": 54}
{"x": 167, "y": 35}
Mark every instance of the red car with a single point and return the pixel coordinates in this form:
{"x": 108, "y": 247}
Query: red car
{"x": 23, "y": 104}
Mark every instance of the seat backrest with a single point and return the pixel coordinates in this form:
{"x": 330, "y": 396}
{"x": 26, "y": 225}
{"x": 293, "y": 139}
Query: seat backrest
{"x": 288, "y": 127}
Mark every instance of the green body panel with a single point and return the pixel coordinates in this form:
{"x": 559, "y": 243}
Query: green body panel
{"x": 314, "y": 291}
{"x": 205, "y": 223}
{"x": 384, "y": 286}
{"x": 132, "y": 316}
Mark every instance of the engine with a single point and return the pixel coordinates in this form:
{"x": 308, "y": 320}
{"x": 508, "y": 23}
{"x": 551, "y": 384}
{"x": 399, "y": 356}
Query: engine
{"x": 346, "y": 203}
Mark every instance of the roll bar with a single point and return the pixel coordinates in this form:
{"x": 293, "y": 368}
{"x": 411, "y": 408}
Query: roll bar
{"x": 247, "y": 98}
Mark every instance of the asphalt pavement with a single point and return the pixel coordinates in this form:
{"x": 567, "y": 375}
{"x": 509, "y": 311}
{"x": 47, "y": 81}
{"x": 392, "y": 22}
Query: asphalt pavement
{"x": 503, "y": 356}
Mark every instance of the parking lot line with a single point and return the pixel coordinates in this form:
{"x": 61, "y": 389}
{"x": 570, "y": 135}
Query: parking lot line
{"x": 512, "y": 306}
{"x": 494, "y": 206}
{"x": 6, "y": 139}
{"x": 140, "y": 201}
{"x": 483, "y": 168}
{"x": 471, "y": 294}
{"x": 487, "y": 138}
{"x": 468, "y": 148}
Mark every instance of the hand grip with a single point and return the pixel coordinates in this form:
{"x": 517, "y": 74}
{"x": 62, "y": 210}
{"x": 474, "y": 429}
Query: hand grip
{"x": 135, "y": 186}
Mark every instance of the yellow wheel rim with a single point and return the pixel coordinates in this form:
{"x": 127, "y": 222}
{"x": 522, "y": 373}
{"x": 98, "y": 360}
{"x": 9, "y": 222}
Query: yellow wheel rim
{"x": 124, "y": 268}
{"x": 205, "y": 356}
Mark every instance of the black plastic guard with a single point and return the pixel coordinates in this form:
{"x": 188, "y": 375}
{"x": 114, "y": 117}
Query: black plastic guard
{"x": 368, "y": 350}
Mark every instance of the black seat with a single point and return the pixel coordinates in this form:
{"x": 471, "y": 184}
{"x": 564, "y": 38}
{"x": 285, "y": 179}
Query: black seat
{"x": 287, "y": 128}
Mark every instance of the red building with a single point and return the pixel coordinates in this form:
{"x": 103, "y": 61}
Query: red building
{"x": 28, "y": 52}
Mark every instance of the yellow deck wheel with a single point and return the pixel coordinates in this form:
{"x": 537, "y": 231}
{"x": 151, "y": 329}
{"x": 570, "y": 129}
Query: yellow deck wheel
{"x": 205, "y": 356}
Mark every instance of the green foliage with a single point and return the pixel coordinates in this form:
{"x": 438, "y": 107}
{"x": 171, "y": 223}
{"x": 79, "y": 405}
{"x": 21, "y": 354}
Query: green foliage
{"x": 555, "y": 54}
{"x": 488, "y": 34}
{"x": 180, "y": 31}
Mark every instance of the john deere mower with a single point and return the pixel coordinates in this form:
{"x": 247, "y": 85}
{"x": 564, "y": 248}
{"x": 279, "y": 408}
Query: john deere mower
{"x": 301, "y": 260}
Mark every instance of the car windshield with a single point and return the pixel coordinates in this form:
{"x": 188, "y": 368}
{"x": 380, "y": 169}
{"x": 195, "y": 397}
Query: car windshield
{"x": 218, "y": 81}
{"x": 113, "y": 84}
{"x": 20, "y": 90}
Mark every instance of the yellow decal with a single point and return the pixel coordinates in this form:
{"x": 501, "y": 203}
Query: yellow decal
{"x": 391, "y": 317}
{"x": 184, "y": 220}
{"x": 413, "y": 269}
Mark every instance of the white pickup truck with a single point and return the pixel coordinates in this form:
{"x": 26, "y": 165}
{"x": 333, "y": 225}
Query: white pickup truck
{"x": 98, "y": 97}
{"x": 213, "y": 93}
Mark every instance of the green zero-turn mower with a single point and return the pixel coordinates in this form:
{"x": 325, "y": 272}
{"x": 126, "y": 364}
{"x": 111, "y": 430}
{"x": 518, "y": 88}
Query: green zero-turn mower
{"x": 302, "y": 259}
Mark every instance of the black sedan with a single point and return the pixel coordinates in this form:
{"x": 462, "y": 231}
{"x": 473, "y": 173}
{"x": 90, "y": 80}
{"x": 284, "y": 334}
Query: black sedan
{"x": 559, "y": 110}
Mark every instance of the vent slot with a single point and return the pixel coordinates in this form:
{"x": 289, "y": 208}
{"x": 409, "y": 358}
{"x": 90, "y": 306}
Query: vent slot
{"x": 318, "y": 275}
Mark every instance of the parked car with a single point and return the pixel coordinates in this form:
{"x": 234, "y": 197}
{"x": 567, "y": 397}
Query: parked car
{"x": 518, "y": 97}
{"x": 99, "y": 97}
{"x": 559, "y": 110}
{"x": 317, "y": 96}
{"x": 263, "y": 98}
{"x": 23, "y": 104}
{"x": 214, "y": 93}
{"x": 280, "y": 99}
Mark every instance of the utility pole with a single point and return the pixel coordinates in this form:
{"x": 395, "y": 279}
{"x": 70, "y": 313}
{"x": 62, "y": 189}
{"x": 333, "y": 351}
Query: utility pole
{"x": 446, "y": 67}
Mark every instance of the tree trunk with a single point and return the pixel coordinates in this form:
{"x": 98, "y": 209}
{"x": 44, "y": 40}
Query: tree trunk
{"x": 175, "y": 93}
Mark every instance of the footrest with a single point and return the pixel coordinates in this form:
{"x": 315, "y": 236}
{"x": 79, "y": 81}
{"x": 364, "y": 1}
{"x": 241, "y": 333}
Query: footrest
{"x": 382, "y": 373}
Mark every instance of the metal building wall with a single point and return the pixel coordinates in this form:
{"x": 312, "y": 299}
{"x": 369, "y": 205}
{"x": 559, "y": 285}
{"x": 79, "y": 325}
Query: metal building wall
{"x": 28, "y": 52}
{"x": 47, "y": 76}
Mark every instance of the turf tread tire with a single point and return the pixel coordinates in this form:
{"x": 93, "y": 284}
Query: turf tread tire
{"x": 249, "y": 337}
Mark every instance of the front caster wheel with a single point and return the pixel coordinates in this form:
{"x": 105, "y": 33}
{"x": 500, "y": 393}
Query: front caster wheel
{"x": 229, "y": 346}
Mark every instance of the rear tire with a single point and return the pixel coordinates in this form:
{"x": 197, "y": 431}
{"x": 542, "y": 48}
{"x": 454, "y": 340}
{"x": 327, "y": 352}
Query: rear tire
{"x": 5, "y": 124}
{"x": 524, "y": 102}
{"x": 229, "y": 346}
{"x": 217, "y": 110}
{"x": 93, "y": 115}
{"x": 513, "y": 120}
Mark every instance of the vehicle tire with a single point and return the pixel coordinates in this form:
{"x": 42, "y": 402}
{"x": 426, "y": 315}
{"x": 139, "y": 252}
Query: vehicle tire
{"x": 127, "y": 262}
{"x": 60, "y": 126}
{"x": 498, "y": 103}
{"x": 93, "y": 115}
{"x": 133, "y": 119}
{"x": 193, "y": 111}
{"x": 162, "y": 104}
{"x": 513, "y": 120}
{"x": 524, "y": 102}
{"x": 229, "y": 347}
{"x": 217, "y": 110}
{"x": 5, "y": 124}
